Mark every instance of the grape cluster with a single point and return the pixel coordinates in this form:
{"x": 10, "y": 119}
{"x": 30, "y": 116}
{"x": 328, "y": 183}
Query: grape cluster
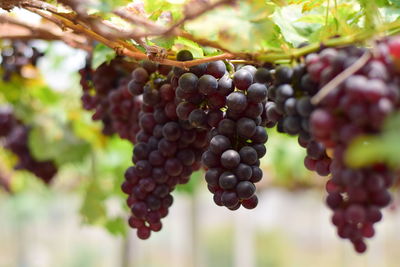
{"x": 230, "y": 108}
{"x": 237, "y": 145}
{"x": 105, "y": 91}
{"x": 357, "y": 106}
{"x": 167, "y": 151}
{"x": 16, "y": 56}
{"x": 289, "y": 108}
{"x": 15, "y": 136}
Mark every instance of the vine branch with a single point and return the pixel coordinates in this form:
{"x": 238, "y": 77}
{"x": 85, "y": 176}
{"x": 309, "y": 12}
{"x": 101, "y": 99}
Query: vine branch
{"x": 11, "y": 28}
{"x": 95, "y": 28}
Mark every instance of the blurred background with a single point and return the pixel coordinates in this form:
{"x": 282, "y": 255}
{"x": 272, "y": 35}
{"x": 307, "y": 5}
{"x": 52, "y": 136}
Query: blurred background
{"x": 81, "y": 218}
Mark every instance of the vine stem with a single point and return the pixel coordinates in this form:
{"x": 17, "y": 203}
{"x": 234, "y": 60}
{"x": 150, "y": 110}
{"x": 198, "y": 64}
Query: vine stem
{"x": 11, "y": 28}
{"x": 110, "y": 35}
{"x": 335, "y": 82}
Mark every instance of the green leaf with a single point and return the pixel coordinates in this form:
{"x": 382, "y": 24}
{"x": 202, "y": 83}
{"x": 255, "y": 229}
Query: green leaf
{"x": 52, "y": 140}
{"x": 116, "y": 226}
{"x": 93, "y": 209}
{"x": 46, "y": 95}
{"x": 101, "y": 54}
{"x": 366, "y": 150}
{"x": 285, "y": 18}
{"x": 165, "y": 42}
{"x": 183, "y": 43}
{"x": 312, "y": 18}
{"x": 247, "y": 27}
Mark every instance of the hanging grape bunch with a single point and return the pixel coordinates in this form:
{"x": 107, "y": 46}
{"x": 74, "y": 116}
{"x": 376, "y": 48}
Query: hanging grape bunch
{"x": 230, "y": 107}
{"x": 15, "y": 138}
{"x": 17, "y": 55}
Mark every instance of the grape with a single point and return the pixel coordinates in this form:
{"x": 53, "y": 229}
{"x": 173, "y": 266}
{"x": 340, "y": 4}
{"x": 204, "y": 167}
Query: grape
{"x": 250, "y": 203}
{"x": 246, "y": 127}
{"x": 254, "y": 110}
{"x": 227, "y": 127}
{"x": 230, "y": 159}
{"x": 199, "y": 70}
{"x": 207, "y": 85}
{"x": 135, "y": 88}
{"x": 227, "y": 180}
{"x": 210, "y": 159}
{"x": 173, "y": 167}
{"x": 257, "y": 93}
{"x": 198, "y": 118}
{"x": 188, "y": 82}
{"x": 171, "y": 131}
{"x": 212, "y": 176}
{"x": 262, "y": 75}
{"x": 242, "y": 79}
{"x": 216, "y": 69}
{"x": 229, "y": 199}
{"x": 236, "y": 101}
{"x": 225, "y": 86}
{"x": 245, "y": 189}
{"x": 184, "y": 55}
{"x": 140, "y": 75}
{"x": 184, "y": 109}
{"x": 219, "y": 144}
{"x": 283, "y": 92}
{"x": 283, "y": 75}
{"x": 248, "y": 155}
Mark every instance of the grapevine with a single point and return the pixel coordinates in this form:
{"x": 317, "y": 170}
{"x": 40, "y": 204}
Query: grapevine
{"x": 214, "y": 111}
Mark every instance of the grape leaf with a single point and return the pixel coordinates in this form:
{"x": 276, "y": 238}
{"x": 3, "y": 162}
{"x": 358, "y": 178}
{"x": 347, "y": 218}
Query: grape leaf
{"x": 249, "y": 27}
{"x": 366, "y": 150}
{"x": 101, "y": 54}
{"x": 116, "y": 226}
{"x": 285, "y": 18}
{"x": 183, "y": 43}
{"x": 52, "y": 140}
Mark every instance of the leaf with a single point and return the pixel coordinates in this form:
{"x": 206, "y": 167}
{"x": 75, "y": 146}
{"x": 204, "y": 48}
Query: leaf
{"x": 312, "y": 18}
{"x": 53, "y": 140}
{"x": 369, "y": 149}
{"x": 285, "y": 18}
{"x": 164, "y": 42}
{"x": 247, "y": 27}
{"x": 46, "y": 95}
{"x": 116, "y": 226}
{"x": 193, "y": 47}
{"x": 93, "y": 209}
{"x": 101, "y": 54}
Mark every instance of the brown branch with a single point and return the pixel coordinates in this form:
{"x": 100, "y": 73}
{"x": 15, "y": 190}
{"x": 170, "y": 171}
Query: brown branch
{"x": 193, "y": 12}
{"x": 156, "y": 29}
{"x": 122, "y": 48}
{"x": 11, "y": 28}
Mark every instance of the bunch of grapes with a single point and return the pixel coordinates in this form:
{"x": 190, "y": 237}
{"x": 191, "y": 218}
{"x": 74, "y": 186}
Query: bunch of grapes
{"x": 230, "y": 108}
{"x": 16, "y": 56}
{"x": 15, "y": 136}
{"x": 289, "y": 108}
{"x": 167, "y": 151}
{"x": 355, "y": 107}
{"x": 105, "y": 91}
